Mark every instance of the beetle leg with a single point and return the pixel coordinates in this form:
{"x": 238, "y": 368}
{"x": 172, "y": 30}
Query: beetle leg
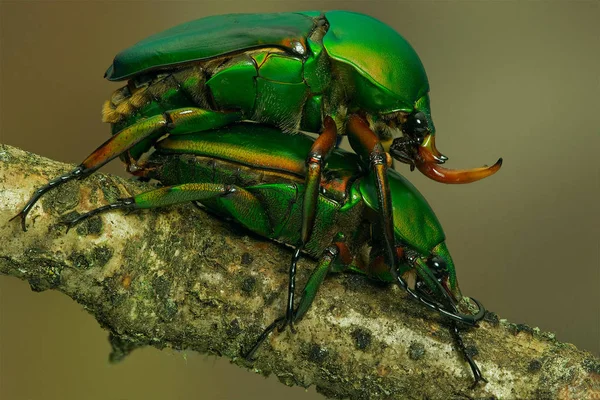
{"x": 365, "y": 142}
{"x": 335, "y": 252}
{"x": 289, "y": 310}
{"x": 367, "y": 145}
{"x": 233, "y": 198}
{"x": 178, "y": 121}
{"x": 444, "y": 306}
{"x": 315, "y": 162}
{"x": 75, "y": 174}
{"x": 463, "y": 350}
{"x": 377, "y": 269}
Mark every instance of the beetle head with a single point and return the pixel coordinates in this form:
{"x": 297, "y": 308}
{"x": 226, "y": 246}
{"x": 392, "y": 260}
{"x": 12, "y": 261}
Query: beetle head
{"x": 389, "y": 83}
{"x": 435, "y": 276}
{"x": 416, "y": 147}
{"x": 422, "y": 251}
{"x": 431, "y": 275}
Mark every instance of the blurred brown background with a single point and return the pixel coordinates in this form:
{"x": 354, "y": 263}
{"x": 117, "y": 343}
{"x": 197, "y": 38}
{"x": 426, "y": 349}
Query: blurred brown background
{"x": 517, "y": 80}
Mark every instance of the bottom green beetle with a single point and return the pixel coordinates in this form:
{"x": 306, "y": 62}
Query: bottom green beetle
{"x": 244, "y": 173}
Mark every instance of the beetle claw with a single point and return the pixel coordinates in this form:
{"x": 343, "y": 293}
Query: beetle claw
{"x": 23, "y": 217}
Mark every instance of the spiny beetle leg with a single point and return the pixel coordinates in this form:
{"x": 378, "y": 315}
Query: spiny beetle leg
{"x": 315, "y": 162}
{"x": 454, "y": 315}
{"x": 126, "y": 203}
{"x": 368, "y": 146}
{"x": 329, "y": 256}
{"x": 336, "y": 252}
{"x": 184, "y": 120}
{"x": 463, "y": 350}
{"x": 179, "y": 121}
{"x": 289, "y": 311}
{"x": 77, "y": 173}
{"x": 249, "y": 355}
{"x": 165, "y": 196}
{"x": 110, "y": 149}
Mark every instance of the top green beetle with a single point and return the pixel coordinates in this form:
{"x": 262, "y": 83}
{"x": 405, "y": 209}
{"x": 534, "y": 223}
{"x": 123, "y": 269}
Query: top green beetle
{"x": 336, "y": 72}
{"x": 286, "y": 69}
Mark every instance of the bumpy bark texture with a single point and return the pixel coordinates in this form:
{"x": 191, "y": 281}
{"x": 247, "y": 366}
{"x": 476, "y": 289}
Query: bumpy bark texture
{"x": 181, "y": 278}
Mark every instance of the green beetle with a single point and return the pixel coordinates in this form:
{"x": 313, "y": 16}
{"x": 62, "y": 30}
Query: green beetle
{"x": 287, "y": 69}
{"x": 243, "y": 172}
{"x": 290, "y": 70}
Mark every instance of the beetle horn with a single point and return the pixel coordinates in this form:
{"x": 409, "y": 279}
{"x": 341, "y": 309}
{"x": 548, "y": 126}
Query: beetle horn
{"x": 428, "y": 160}
{"x": 429, "y": 144}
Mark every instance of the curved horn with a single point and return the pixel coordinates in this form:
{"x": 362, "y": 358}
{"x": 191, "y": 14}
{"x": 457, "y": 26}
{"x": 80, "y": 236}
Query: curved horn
{"x": 428, "y": 163}
{"x": 429, "y": 143}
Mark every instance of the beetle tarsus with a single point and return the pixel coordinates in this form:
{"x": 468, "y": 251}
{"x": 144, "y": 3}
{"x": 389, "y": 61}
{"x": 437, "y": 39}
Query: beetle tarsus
{"x": 454, "y": 315}
{"x": 463, "y": 350}
{"x": 126, "y": 203}
{"x": 78, "y": 173}
{"x": 249, "y": 355}
{"x": 289, "y": 313}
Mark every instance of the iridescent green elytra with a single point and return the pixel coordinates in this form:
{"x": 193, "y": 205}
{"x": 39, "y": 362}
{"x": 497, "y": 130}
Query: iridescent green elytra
{"x": 289, "y": 69}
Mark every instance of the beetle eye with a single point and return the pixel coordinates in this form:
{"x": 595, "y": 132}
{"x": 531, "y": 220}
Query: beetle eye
{"x": 416, "y": 125}
{"x": 438, "y": 265}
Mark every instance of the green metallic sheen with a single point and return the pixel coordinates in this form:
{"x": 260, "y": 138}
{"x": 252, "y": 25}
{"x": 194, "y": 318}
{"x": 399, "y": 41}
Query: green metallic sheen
{"x": 380, "y": 71}
{"x": 278, "y": 102}
{"x": 256, "y": 146}
{"x": 289, "y": 70}
{"x": 246, "y": 208}
{"x": 189, "y": 120}
{"x": 259, "y": 148}
{"x": 316, "y": 68}
{"x": 209, "y": 37}
{"x": 414, "y": 220}
{"x": 379, "y": 54}
{"x": 312, "y": 120}
{"x": 234, "y": 87}
{"x": 281, "y": 68}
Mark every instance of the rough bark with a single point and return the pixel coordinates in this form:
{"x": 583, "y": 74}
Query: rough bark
{"x": 181, "y": 278}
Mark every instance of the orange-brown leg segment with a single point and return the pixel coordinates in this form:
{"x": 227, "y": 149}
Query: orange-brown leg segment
{"x": 315, "y": 161}
{"x": 184, "y": 120}
{"x": 367, "y": 145}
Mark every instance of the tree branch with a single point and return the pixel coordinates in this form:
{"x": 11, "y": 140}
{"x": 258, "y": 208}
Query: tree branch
{"x": 180, "y": 278}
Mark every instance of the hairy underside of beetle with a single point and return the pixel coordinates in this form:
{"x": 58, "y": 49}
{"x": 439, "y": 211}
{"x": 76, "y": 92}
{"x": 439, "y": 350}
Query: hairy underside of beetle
{"x": 189, "y": 85}
{"x": 188, "y": 82}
